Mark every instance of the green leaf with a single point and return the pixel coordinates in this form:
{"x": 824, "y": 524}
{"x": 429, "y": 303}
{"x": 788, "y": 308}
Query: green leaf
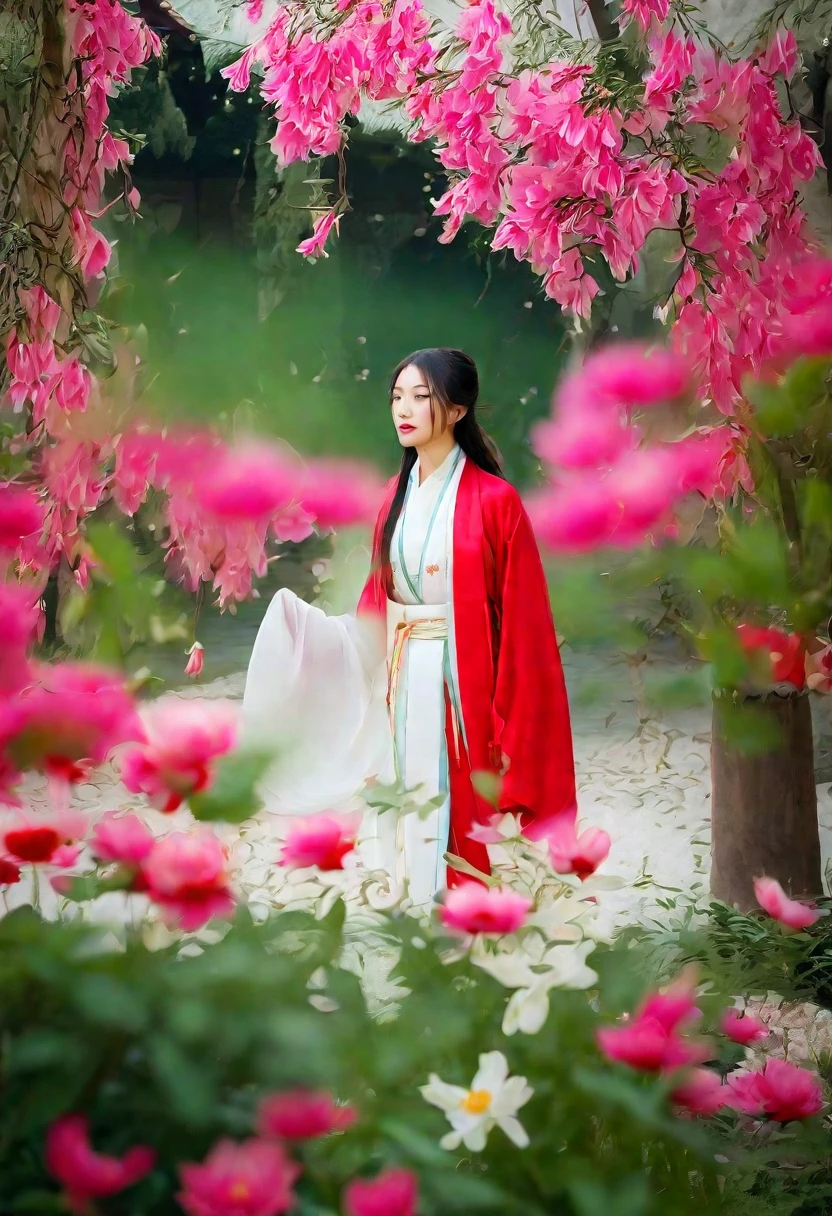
{"x": 232, "y": 797}
{"x": 420, "y": 1148}
{"x": 464, "y": 1192}
{"x": 488, "y": 786}
{"x": 465, "y": 867}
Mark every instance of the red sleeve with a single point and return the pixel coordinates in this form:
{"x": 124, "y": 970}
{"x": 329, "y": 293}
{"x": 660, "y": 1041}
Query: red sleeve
{"x": 374, "y": 596}
{"x": 531, "y": 711}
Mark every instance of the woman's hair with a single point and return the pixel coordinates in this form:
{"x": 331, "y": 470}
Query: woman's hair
{"x": 452, "y": 379}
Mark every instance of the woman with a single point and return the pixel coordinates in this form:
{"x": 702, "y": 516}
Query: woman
{"x": 473, "y": 680}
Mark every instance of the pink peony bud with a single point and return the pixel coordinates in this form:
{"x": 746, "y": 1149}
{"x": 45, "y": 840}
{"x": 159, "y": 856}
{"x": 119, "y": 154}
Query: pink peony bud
{"x": 322, "y": 841}
{"x": 789, "y": 912}
{"x": 253, "y": 1178}
{"x": 302, "y": 1114}
{"x": 39, "y": 839}
{"x": 743, "y": 1029}
{"x": 651, "y": 1040}
{"x": 473, "y": 908}
{"x": 85, "y": 1174}
{"x": 185, "y": 874}
{"x": 123, "y": 838}
{"x": 780, "y": 1090}
{"x": 574, "y": 854}
{"x": 785, "y": 653}
{"x": 184, "y": 741}
{"x": 392, "y": 1193}
{"x": 196, "y": 659}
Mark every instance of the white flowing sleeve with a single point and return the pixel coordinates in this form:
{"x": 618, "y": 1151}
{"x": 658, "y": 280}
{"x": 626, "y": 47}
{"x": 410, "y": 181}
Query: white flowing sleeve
{"x": 316, "y": 693}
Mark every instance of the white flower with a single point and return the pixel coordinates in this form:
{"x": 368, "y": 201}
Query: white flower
{"x": 534, "y": 970}
{"x": 492, "y": 1101}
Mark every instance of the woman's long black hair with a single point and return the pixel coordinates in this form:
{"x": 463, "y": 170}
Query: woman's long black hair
{"x": 453, "y": 380}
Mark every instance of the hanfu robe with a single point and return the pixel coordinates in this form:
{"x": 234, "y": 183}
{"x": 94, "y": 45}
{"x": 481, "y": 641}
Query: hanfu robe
{"x": 471, "y": 682}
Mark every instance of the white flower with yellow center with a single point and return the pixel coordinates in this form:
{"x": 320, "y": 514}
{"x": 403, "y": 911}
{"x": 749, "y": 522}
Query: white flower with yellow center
{"x": 492, "y": 1101}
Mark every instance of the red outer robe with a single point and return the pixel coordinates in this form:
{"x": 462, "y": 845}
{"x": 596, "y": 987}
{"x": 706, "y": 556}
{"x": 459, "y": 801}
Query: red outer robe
{"x": 511, "y": 688}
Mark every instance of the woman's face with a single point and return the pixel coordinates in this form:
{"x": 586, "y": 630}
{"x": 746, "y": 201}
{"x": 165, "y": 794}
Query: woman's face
{"x": 412, "y": 410}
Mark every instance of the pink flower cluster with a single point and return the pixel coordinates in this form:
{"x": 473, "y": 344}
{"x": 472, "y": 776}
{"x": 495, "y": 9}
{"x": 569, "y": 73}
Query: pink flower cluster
{"x": 183, "y": 740}
{"x": 657, "y": 1040}
{"x": 548, "y": 157}
{"x": 253, "y": 1177}
{"x": 607, "y": 489}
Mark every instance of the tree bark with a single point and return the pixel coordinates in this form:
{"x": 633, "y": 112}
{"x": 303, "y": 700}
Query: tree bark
{"x": 765, "y": 812}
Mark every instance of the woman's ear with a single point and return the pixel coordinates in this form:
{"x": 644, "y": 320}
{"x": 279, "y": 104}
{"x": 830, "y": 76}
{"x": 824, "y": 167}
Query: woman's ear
{"x": 458, "y": 412}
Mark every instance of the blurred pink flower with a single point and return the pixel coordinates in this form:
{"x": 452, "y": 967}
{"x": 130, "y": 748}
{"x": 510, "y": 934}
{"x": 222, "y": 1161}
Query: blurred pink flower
{"x": 40, "y": 837}
{"x": 339, "y": 493}
{"x": 651, "y": 1040}
{"x": 577, "y": 517}
{"x": 781, "y": 55}
{"x": 585, "y": 439}
{"x": 185, "y": 873}
{"x": 123, "y": 838}
{"x": 253, "y": 1178}
{"x": 701, "y": 1092}
{"x": 818, "y": 669}
{"x": 294, "y": 525}
{"x": 577, "y": 854}
{"x": 183, "y": 740}
{"x": 313, "y": 246}
{"x": 18, "y": 629}
{"x": 322, "y": 841}
{"x": 780, "y": 1090}
{"x": 394, "y": 1192}
{"x": 70, "y": 713}
{"x": 742, "y": 1028}
{"x": 86, "y": 1174}
{"x": 631, "y": 374}
{"x": 247, "y": 484}
{"x": 21, "y": 516}
{"x": 196, "y": 659}
{"x": 302, "y": 1114}
{"x": 474, "y": 908}
{"x": 789, "y": 912}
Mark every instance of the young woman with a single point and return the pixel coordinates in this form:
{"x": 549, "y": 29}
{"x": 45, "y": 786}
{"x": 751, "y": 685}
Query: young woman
{"x": 472, "y": 681}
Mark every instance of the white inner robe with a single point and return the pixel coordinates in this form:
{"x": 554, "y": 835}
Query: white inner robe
{"x": 317, "y": 688}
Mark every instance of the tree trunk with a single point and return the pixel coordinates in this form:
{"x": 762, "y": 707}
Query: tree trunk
{"x": 764, "y": 804}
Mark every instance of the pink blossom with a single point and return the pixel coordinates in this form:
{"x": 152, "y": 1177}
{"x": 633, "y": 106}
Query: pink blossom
{"x": 70, "y": 713}
{"x": 123, "y": 838}
{"x": 652, "y": 1039}
{"x": 322, "y": 841}
{"x": 577, "y": 517}
{"x": 818, "y": 667}
{"x": 40, "y": 838}
{"x": 577, "y": 854}
{"x": 781, "y": 55}
{"x": 645, "y": 12}
{"x": 302, "y": 1114}
{"x": 184, "y": 739}
{"x": 789, "y": 912}
{"x": 783, "y": 653}
{"x": 86, "y": 1174}
{"x": 248, "y": 484}
{"x": 392, "y": 1193}
{"x": 21, "y": 515}
{"x": 185, "y": 873}
{"x": 742, "y": 1028}
{"x": 18, "y": 628}
{"x": 474, "y": 908}
{"x": 339, "y": 493}
{"x": 72, "y": 385}
{"x": 586, "y": 439}
{"x": 313, "y": 247}
{"x": 632, "y": 374}
{"x": 700, "y": 1093}
{"x": 252, "y": 1178}
{"x": 135, "y": 460}
{"x": 293, "y": 525}
{"x": 780, "y": 1090}
{"x": 196, "y": 659}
